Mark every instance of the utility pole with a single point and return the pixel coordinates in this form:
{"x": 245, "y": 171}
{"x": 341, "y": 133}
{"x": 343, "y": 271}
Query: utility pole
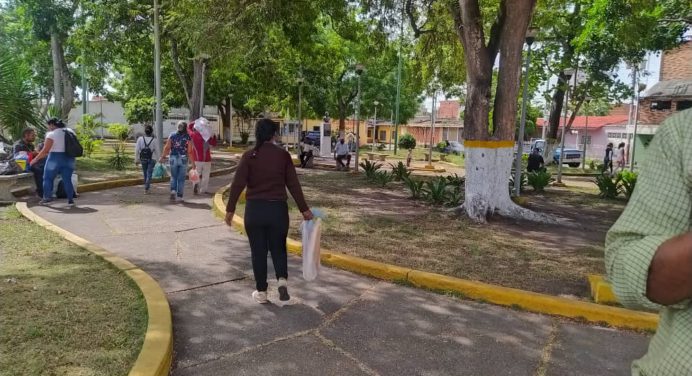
{"x": 201, "y": 93}
{"x": 587, "y": 101}
{"x": 398, "y": 81}
{"x": 374, "y": 126}
{"x": 530, "y": 37}
{"x": 432, "y": 127}
{"x": 568, "y": 77}
{"x": 157, "y": 76}
{"x": 359, "y": 72}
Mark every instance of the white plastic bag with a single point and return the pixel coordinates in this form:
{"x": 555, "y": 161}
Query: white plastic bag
{"x": 204, "y": 128}
{"x": 311, "y": 231}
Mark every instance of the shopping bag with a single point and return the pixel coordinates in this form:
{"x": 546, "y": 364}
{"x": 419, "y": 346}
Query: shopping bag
{"x": 194, "y": 175}
{"x": 311, "y": 231}
{"x": 159, "y": 171}
{"x": 204, "y": 128}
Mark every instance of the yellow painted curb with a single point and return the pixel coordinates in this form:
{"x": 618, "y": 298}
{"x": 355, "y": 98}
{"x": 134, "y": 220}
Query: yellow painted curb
{"x": 488, "y": 144}
{"x": 601, "y": 290}
{"x": 504, "y": 296}
{"x": 156, "y": 354}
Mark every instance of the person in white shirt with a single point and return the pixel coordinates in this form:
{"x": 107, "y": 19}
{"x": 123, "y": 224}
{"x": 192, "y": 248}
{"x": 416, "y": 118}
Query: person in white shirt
{"x": 342, "y": 152}
{"x": 57, "y": 162}
{"x": 147, "y": 153}
{"x": 619, "y": 158}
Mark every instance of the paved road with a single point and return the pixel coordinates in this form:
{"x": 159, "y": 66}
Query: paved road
{"x": 343, "y": 324}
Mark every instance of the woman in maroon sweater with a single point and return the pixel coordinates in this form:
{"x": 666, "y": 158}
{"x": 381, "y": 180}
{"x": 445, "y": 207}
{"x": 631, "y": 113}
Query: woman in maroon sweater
{"x": 267, "y": 170}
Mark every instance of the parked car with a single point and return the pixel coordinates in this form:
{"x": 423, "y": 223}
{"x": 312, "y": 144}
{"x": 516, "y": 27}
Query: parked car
{"x": 572, "y": 157}
{"x": 455, "y": 147}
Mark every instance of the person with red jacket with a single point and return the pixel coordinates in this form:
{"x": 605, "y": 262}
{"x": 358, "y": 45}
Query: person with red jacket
{"x": 201, "y": 152}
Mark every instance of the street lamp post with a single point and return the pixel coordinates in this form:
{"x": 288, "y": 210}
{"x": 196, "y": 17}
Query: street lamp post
{"x": 157, "y": 76}
{"x": 359, "y": 72}
{"x": 374, "y": 126}
{"x": 530, "y": 37}
{"x": 568, "y": 76}
{"x": 230, "y": 126}
{"x": 587, "y": 101}
{"x": 300, "y": 81}
{"x": 432, "y": 127}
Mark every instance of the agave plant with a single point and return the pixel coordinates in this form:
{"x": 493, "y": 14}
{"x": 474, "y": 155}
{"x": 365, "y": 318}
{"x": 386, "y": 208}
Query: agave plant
{"x": 400, "y": 171}
{"x": 436, "y": 191}
{"x": 17, "y": 99}
{"x": 370, "y": 168}
{"x": 415, "y": 187}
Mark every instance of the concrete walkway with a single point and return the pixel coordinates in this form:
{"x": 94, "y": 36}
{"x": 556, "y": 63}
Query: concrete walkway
{"x": 343, "y": 324}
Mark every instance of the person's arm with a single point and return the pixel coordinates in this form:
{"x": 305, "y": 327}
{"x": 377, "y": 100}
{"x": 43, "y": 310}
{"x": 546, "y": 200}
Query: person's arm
{"x": 237, "y": 187}
{"x": 138, "y": 148}
{"x": 649, "y": 249}
{"x": 212, "y": 141}
{"x": 191, "y": 152}
{"x": 166, "y": 150}
{"x": 296, "y": 190}
{"x": 44, "y": 151}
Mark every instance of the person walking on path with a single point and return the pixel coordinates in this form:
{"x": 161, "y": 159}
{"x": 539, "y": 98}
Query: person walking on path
{"x": 147, "y": 153}
{"x": 619, "y": 158}
{"x": 267, "y": 170}
{"x": 608, "y": 158}
{"x": 648, "y": 253}
{"x": 57, "y": 162}
{"x": 202, "y": 158}
{"x": 26, "y": 145}
{"x": 180, "y": 149}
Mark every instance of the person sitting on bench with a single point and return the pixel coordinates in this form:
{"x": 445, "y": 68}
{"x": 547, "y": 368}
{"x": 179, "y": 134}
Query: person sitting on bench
{"x": 341, "y": 152}
{"x": 307, "y": 153}
{"x": 26, "y": 145}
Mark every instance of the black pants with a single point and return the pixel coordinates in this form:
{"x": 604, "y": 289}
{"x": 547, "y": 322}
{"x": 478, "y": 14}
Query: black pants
{"x": 37, "y": 170}
{"x": 266, "y": 224}
{"x": 305, "y": 158}
{"x": 340, "y": 159}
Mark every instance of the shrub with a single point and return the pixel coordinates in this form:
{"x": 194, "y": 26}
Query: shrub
{"x": 400, "y": 171}
{"x": 627, "y": 180}
{"x": 592, "y": 164}
{"x": 539, "y": 180}
{"x": 441, "y": 147}
{"x": 522, "y": 181}
{"x": 120, "y": 131}
{"x": 455, "y": 180}
{"x": 381, "y": 147}
{"x": 370, "y": 168}
{"x": 608, "y": 187}
{"x": 436, "y": 191}
{"x": 120, "y": 159}
{"x": 86, "y": 131}
{"x": 455, "y": 196}
{"x": 244, "y": 137}
{"x": 407, "y": 142}
{"x": 382, "y": 178}
{"x": 415, "y": 187}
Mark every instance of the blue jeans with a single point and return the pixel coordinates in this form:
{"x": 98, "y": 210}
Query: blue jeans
{"x": 147, "y": 171}
{"x": 178, "y": 173}
{"x": 58, "y": 163}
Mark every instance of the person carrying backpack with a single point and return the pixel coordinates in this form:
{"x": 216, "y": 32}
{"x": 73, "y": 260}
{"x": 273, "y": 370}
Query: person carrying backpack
{"x": 61, "y": 148}
{"x": 147, "y": 153}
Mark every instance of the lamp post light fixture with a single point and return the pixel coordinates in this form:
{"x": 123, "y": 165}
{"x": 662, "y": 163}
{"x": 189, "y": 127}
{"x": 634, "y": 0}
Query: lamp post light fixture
{"x": 359, "y": 71}
{"x": 568, "y": 77}
{"x": 530, "y": 38}
{"x": 374, "y": 126}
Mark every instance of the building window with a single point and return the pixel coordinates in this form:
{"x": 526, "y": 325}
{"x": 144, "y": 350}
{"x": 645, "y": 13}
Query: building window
{"x": 587, "y": 138}
{"x": 445, "y": 133}
{"x": 614, "y": 135}
{"x": 383, "y": 136}
{"x": 369, "y": 133}
{"x": 661, "y": 105}
{"x": 683, "y": 105}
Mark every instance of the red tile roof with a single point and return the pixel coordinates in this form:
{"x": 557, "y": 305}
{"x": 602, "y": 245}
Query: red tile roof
{"x": 594, "y": 121}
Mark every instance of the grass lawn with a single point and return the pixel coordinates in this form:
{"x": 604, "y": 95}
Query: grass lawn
{"x": 385, "y": 225}
{"x": 419, "y": 154}
{"x": 63, "y": 310}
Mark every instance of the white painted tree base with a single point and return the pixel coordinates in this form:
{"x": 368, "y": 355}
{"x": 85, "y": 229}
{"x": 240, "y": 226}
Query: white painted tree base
{"x": 486, "y": 187}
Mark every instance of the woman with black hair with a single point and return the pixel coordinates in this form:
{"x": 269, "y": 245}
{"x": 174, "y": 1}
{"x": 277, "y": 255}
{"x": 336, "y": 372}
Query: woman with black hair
{"x": 57, "y": 162}
{"x": 267, "y": 170}
{"x": 146, "y": 154}
{"x": 180, "y": 149}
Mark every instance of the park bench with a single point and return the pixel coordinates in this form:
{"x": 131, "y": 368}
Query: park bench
{"x": 379, "y": 156}
{"x": 13, "y": 183}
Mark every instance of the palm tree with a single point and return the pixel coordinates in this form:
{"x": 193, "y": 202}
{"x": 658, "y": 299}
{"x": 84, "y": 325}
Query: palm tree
{"x": 17, "y": 99}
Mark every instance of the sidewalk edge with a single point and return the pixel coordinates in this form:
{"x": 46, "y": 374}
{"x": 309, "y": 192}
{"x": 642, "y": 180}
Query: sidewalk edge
{"x": 155, "y": 357}
{"x": 498, "y": 295}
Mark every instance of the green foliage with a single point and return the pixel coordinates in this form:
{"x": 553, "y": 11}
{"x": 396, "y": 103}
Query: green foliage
{"x": 407, "y": 142}
{"x": 415, "y": 187}
{"x": 523, "y": 180}
{"x": 539, "y": 180}
{"x": 17, "y": 98}
{"x": 381, "y": 147}
{"x": 627, "y": 180}
{"x": 86, "y": 131}
{"x": 400, "y": 171}
{"x": 370, "y": 168}
{"x": 441, "y": 147}
{"x": 436, "y": 191}
{"x": 121, "y": 158}
{"x": 608, "y": 187}
{"x": 244, "y": 137}
{"x": 592, "y": 165}
{"x": 140, "y": 110}
{"x": 455, "y": 196}
{"x": 121, "y": 132}
{"x": 382, "y": 178}
{"x": 455, "y": 180}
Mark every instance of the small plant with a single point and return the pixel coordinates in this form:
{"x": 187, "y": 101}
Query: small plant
{"x": 86, "y": 131}
{"x": 455, "y": 180}
{"x": 121, "y": 132}
{"x": 370, "y": 167}
{"x": 120, "y": 160}
{"x": 382, "y": 178}
{"x": 436, "y": 191}
{"x": 441, "y": 147}
{"x": 522, "y": 181}
{"x": 627, "y": 180}
{"x": 608, "y": 187}
{"x": 538, "y": 180}
{"x": 400, "y": 171}
{"x": 407, "y": 142}
{"x": 415, "y": 187}
{"x": 455, "y": 196}
{"x": 244, "y": 137}
{"x": 592, "y": 165}
{"x": 381, "y": 147}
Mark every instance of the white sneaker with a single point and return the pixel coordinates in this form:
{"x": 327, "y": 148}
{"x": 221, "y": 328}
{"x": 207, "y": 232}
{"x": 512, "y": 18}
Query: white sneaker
{"x": 178, "y": 199}
{"x": 283, "y": 290}
{"x": 260, "y": 297}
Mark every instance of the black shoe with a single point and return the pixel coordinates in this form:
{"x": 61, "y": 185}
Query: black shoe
{"x": 283, "y": 290}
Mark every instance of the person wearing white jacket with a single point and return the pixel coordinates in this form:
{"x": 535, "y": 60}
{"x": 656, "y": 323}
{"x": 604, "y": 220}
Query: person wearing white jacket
{"x": 147, "y": 153}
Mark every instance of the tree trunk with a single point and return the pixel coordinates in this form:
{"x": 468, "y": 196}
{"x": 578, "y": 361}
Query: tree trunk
{"x": 556, "y": 108}
{"x": 55, "y": 48}
{"x": 224, "y": 108}
{"x": 179, "y": 71}
{"x": 196, "y": 95}
{"x": 68, "y": 89}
